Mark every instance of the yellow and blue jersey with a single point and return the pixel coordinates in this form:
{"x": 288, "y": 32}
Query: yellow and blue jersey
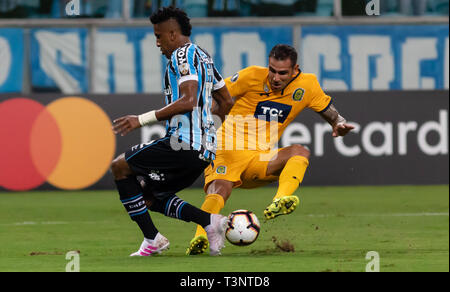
{"x": 247, "y": 126}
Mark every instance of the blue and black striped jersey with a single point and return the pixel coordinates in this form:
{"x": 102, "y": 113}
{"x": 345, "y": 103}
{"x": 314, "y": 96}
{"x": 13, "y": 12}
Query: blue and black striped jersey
{"x": 195, "y": 128}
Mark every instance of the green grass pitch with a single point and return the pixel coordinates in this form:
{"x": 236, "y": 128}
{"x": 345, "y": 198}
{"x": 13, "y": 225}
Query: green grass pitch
{"x": 332, "y": 230}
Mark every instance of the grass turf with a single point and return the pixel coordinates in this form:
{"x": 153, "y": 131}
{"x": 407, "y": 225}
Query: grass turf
{"x": 332, "y": 230}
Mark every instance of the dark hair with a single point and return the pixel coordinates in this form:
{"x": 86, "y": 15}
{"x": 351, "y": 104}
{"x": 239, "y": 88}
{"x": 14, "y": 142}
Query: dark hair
{"x": 166, "y": 13}
{"x": 283, "y": 52}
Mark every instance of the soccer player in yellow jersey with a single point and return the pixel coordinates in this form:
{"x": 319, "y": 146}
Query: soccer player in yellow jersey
{"x": 266, "y": 101}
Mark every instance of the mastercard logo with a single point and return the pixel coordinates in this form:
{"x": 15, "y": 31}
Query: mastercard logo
{"x": 68, "y": 143}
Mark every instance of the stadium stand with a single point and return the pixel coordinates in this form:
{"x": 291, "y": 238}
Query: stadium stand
{"x": 113, "y": 9}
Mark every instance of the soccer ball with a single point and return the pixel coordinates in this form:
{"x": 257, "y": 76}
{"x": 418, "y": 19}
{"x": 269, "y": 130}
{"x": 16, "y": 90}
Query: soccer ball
{"x": 243, "y": 227}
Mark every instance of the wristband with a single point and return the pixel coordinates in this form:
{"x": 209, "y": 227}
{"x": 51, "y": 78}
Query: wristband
{"x": 340, "y": 120}
{"x": 147, "y": 118}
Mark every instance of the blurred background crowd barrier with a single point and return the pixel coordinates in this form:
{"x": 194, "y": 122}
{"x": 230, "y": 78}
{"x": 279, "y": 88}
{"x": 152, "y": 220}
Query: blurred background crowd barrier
{"x": 110, "y": 47}
{"x": 212, "y": 8}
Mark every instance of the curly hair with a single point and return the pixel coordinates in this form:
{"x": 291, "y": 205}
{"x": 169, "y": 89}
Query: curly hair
{"x": 283, "y": 52}
{"x": 166, "y": 13}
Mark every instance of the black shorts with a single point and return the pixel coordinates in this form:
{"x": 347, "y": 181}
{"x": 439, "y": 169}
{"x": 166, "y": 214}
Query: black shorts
{"x": 166, "y": 170}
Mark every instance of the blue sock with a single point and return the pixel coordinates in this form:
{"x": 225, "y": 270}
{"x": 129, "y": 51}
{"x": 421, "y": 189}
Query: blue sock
{"x": 175, "y": 207}
{"x": 130, "y": 192}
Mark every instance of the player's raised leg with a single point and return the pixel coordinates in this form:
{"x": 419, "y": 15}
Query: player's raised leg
{"x": 213, "y": 224}
{"x": 218, "y": 191}
{"x": 174, "y": 207}
{"x": 290, "y": 164}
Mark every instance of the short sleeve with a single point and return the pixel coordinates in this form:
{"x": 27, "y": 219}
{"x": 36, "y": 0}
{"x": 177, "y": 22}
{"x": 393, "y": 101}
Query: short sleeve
{"x": 183, "y": 60}
{"x": 218, "y": 81}
{"x": 319, "y": 101}
{"x": 236, "y": 84}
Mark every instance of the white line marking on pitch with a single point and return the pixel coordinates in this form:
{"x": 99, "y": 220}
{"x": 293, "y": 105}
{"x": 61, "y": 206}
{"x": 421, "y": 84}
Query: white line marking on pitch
{"x": 27, "y": 223}
{"x": 381, "y": 215}
{"x": 34, "y": 223}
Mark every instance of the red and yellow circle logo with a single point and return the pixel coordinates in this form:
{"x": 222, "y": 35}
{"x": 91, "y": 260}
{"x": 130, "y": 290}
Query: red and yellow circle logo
{"x": 68, "y": 143}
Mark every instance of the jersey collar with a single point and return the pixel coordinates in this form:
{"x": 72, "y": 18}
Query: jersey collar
{"x": 266, "y": 85}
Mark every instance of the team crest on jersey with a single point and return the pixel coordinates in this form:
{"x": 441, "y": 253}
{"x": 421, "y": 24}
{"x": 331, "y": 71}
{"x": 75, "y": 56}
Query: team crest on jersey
{"x": 266, "y": 88}
{"x": 298, "y": 94}
{"x": 221, "y": 169}
{"x": 184, "y": 69}
{"x": 235, "y": 77}
{"x": 156, "y": 175}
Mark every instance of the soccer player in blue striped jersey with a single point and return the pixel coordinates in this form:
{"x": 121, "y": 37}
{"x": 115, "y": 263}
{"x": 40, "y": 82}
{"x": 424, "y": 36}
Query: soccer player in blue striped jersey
{"x": 196, "y": 128}
{"x": 174, "y": 162}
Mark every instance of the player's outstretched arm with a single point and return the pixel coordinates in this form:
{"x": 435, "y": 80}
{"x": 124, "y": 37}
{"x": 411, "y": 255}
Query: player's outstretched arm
{"x": 223, "y": 102}
{"x": 187, "y": 102}
{"x": 126, "y": 124}
{"x": 339, "y": 124}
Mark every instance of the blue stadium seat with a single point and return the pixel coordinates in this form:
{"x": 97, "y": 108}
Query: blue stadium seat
{"x": 325, "y": 8}
{"x": 438, "y": 7}
{"x": 114, "y": 9}
{"x": 56, "y": 9}
{"x": 229, "y": 7}
{"x": 196, "y": 8}
{"x": 390, "y": 8}
{"x": 177, "y": 3}
{"x": 226, "y": 4}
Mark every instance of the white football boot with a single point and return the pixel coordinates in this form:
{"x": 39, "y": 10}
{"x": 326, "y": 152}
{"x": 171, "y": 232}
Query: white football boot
{"x": 151, "y": 247}
{"x": 216, "y": 233}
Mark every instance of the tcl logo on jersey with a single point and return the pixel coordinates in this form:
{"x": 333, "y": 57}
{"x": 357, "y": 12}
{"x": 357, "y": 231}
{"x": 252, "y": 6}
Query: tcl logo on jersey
{"x": 269, "y": 111}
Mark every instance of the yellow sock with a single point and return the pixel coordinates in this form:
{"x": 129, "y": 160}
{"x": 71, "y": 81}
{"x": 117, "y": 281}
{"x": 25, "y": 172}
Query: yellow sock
{"x": 291, "y": 176}
{"x": 213, "y": 204}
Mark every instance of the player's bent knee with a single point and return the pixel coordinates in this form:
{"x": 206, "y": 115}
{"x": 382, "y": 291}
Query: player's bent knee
{"x": 149, "y": 198}
{"x": 220, "y": 187}
{"x": 299, "y": 150}
{"x": 120, "y": 168}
